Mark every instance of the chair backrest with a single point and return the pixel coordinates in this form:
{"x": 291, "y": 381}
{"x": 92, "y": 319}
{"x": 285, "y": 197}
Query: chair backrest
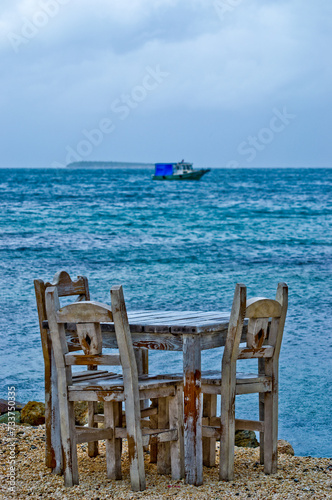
{"x": 87, "y": 316}
{"x": 65, "y": 287}
{"x": 266, "y": 320}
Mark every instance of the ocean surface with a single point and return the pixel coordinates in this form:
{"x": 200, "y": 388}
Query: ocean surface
{"x": 178, "y": 245}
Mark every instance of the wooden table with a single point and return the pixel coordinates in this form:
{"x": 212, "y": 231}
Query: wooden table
{"x": 189, "y": 332}
{"x": 186, "y": 331}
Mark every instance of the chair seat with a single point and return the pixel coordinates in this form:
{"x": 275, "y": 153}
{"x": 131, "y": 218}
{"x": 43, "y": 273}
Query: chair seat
{"x": 114, "y": 382}
{"x": 213, "y": 377}
{"x": 89, "y": 374}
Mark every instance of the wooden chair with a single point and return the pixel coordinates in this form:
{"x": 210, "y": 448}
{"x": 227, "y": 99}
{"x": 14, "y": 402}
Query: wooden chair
{"x": 111, "y": 389}
{"x": 66, "y": 287}
{"x": 266, "y": 319}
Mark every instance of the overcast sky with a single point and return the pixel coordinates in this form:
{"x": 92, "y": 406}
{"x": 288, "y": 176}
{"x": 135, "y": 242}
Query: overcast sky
{"x": 240, "y": 83}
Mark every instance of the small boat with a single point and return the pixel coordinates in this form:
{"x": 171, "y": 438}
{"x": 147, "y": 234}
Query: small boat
{"x": 181, "y": 171}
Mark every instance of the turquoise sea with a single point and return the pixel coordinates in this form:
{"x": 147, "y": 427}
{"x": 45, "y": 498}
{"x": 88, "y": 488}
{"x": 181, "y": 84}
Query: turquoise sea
{"x": 178, "y": 245}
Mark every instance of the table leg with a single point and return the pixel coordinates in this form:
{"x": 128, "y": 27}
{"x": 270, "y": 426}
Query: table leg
{"x": 193, "y": 454}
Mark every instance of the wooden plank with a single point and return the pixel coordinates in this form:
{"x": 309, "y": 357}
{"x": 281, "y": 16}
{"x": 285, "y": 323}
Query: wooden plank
{"x": 257, "y": 332}
{"x": 172, "y": 317}
{"x": 266, "y": 351}
{"x": 176, "y": 422}
{"x": 166, "y": 436}
{"x": 66, "y": 286}
{"x": 46, "y": 347}
{"x": 110, "y": 383}
{"x": 202, "y": 328}
{"x": 67, "y": 422}
{"x": 90, "y": 338}
{"x": 90, "y": 375}
{"x": 192, "y": 410}
{"x": 154, "y": 425}
{"x": 163, "y": 455}
{"x": 87, "y": 312}
{"x": 87, "y": 434}
{"x": 152, "y": 341}
{"x": 81, "y": 359}
{"x": 99, "y": 418}
{"x": 260, "y": 307}
{"x": 249, "y": 425}
{"x": 261, "y": 411}
{"x": 160, "y": 435}
{"x": 160, "y": 392}
{"x": 157, "y": 341}
{"x": 271, "y": 419}
{"x": 249, "y": 378}
{"x": 113, "y": 413}
{"x": 157, "y": 383}
{"x": 155, "y": 328}
{"x": 199, "y": 319}
{"x": 54, "y": 422}
{"x": 148, "y": 412}
{"x": 270, "y": 405}
{"x": 93, "y": 450}
{"x": 228, "y": 384}
{"x": 170, "y": 434}
{"x": 209, "y": 444}
{"x": 96, "y": 395}
{"x": 213, "y": 377}
{"x": 211, "y": 421}
{"x": 130, "y": 380}
{"x": 255, "y": 387}
{"x": 212, "y": 433}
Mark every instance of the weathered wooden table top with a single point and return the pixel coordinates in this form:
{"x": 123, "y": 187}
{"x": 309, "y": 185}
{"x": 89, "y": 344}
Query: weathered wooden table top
{"x": 170, "y": 321}
{"x": 178, "y": 321}
{"x": 164, "y": 329}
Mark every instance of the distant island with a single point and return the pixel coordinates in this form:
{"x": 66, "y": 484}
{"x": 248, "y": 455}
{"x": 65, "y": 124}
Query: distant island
{"x": 108, "y": 164}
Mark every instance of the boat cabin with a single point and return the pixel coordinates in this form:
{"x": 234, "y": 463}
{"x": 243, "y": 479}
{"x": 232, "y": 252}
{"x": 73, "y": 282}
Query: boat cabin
{"x": 183, "y": 168}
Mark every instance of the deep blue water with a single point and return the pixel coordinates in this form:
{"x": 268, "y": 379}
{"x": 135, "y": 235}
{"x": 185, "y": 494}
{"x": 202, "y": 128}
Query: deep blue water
{"x": 178, "y": 245}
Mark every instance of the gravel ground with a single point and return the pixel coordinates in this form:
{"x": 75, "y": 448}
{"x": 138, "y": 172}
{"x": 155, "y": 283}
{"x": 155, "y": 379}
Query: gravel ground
{"x": 297, "y": 477}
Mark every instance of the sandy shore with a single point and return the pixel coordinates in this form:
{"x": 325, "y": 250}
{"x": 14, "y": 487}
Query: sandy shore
{"x": 297, "y": 477}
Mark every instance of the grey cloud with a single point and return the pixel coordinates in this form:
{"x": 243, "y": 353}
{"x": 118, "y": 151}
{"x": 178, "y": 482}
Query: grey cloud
{"x": 225, "y": 76}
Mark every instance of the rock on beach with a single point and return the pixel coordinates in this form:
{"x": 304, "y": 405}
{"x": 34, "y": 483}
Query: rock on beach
{"x": 33, "y": 413}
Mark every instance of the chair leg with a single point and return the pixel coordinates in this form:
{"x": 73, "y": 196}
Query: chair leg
{"x": 112, "y": 419}
{"x": 92, "y": 445}
{"x": 135, "y": 448}
{"x": 261, "y": 396}
{"x": 54, "y": 445}
{"x": 271, "y": 419}
{"x": 49, "y": 452}
{"x": 227, "y": 437}
{"x": 153, "y": 441}
{"x": 163, "y": 457}
{"x": 68, "y": 439}
{"x": 177, "y": 447}
{"x": 261, "y": 434}
{"x": 271, "y": 432}
{"x": 209, "y": 444}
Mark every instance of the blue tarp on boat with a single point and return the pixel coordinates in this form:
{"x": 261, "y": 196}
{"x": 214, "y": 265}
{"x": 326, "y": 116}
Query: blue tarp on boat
{"x": 163, "y": 169}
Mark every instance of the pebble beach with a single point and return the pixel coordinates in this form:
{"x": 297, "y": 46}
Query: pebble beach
{"x": 297, "y": 477}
